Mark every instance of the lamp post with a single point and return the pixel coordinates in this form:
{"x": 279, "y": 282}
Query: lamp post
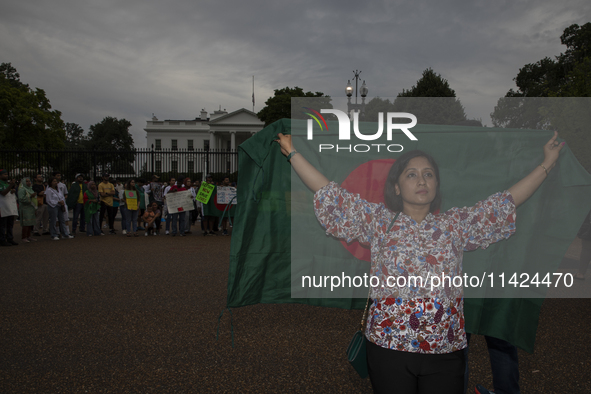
{"x": 362, "y": 92}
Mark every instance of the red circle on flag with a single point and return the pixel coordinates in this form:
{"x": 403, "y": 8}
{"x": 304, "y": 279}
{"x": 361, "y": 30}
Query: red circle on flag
{"x": 131, "y": 194}
{"x": 368, "y": 181}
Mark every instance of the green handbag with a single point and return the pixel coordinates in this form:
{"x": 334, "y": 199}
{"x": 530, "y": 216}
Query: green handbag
{"x": 356, "y": 352}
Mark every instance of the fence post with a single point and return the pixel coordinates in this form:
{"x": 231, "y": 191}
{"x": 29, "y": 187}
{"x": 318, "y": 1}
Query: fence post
{"x": 38, "y": 158}
{"x": 93, "y": 162}
{"x": 153, "y": 169}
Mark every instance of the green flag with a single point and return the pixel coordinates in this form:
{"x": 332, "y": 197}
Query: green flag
{"x": 213, "y": 208}
{"x": 474, "y": 162}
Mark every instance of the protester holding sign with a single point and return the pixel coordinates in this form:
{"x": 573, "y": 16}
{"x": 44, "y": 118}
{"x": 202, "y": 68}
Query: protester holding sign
{"x": 414, "y": 344}
{"x": 229, "y": 194}
{"x": 204, "y": 195}
{"x": 8, "y": 209}
{"x": 132, "y": 202}
{"x": 177, "y": 212}
{"x": 190, "y": 216}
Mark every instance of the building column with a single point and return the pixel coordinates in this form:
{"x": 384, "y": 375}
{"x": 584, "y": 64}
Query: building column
{"x": 212, "y": 144}
{"x": 233, "y": 141}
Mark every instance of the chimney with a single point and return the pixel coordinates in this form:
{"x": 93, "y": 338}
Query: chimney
{"x": 203, "y": 114}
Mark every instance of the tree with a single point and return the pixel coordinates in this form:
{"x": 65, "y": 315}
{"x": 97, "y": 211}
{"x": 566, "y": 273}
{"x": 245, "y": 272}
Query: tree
{"x": 375, "y": 106}
{"x": 114, "y": 143}
{"x": 568, "y": 75}
{"x": 430, "y": 84}
{"x": 437, "y": 103}
{"x": 26, "y": 118}
{"x": 549, "y": 77}
{"x": 111, "y": 134}
{"x": 577, "y": 82}
{"x": 280, "y": 105}
{"x": 75, "y": 137}
{"x": 12, "y": 76}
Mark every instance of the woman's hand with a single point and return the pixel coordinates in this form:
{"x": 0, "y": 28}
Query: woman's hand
{"x": 551, "y": 152}
{"x": 523, "y": 189}
{"x": 285, "y": 144}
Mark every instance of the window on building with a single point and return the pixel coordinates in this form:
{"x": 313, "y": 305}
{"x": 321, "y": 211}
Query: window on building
{"x": 158, "y": 166}
{"x": 173, "y": 145}
{"x": 228, "y": 145}
{"x": 175, "y": 166}
{"x": 191, "y": 166}
{"x": 158, "y": 144}
{"x": 190, "y": 144}
{"x": 206, "y": 144}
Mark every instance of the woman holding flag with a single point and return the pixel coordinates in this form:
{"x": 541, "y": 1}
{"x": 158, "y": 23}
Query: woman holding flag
{"x": 415, "y": 335}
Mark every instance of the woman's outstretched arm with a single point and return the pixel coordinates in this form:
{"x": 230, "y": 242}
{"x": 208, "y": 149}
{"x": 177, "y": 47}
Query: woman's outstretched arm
{"x": 523, "y": 189}
{"x": 306, "y": 171}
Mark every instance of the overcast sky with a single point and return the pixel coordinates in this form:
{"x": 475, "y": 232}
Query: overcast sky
{"x": 129, "y": 59}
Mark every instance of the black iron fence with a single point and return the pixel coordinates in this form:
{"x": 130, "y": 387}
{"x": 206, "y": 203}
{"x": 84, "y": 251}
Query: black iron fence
{"x": 139, "y": 163}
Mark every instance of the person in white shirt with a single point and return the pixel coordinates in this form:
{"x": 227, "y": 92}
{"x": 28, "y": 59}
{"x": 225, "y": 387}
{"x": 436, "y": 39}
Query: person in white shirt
{"x": 8, "y": 209}
{"x": 120, "y": 189}
{"x": 165, "y": 213}
{"x": 189, "y": 217}
{"x": 64, "y": 190}
{"x": 56, "y": 204}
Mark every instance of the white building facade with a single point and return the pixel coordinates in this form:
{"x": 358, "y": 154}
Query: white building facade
{"x": 204, "y": 144}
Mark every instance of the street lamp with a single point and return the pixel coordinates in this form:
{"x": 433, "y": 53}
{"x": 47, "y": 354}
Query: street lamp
{"x": 362, "y": 92}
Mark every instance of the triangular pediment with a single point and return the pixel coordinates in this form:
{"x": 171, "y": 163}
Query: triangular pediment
{"x": 241, "y": 116}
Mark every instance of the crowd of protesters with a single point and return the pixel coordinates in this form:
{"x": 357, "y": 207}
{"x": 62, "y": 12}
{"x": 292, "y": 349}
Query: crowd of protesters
{"x": 43, "y": 207}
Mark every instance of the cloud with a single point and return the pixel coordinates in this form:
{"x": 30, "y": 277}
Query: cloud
{"x": 130, "y": 59}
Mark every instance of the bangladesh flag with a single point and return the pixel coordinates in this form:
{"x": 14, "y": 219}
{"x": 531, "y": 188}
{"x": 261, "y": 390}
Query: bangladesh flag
{"x": 277, "y": 238}
{"x": 213, "y": 208}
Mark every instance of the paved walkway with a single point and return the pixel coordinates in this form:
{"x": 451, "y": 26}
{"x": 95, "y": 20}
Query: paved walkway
{"x": 138, "y": 315}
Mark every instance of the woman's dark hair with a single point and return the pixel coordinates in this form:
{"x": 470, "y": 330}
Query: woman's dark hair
{"x": 128, "y": 184}
{"x": 393, "y": 201}
{"x": 50, "y": 181}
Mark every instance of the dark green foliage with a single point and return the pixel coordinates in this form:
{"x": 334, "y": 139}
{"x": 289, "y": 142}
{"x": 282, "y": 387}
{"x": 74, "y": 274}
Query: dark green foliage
{"x": 26, "y": 118}
{"x": 280, "y": 105}
{"x": 568, "y": 75}
{"x": 114, "y": 145}
{"x": 375, "y": 106}
{"x": 431, "y": 100}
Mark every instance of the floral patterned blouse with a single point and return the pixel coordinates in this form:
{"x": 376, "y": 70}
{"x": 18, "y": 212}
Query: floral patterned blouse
{"x": 415, "y": 316}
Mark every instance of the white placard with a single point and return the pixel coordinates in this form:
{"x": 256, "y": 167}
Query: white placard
{"x": 179, "y": 201}
{"x": 226, "y": 194}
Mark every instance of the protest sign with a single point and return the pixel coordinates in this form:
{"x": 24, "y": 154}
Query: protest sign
{"x": 204, "y": 192}
{"x": 226, "y": 194}
{"x": 131, "y": 199}
{"x": 179, "y": 201}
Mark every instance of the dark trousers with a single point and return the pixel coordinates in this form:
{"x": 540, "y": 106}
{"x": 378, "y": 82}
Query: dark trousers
{"x": 179, "y": 218}
{"x": 6, "y": 225}
{"x": 504, "y": 364}
{"x": 111, "y": 212}
{"x": 78, "y": 211}
{"x": 414, "y": 373}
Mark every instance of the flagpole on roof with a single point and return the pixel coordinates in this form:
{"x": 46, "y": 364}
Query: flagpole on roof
{"x": 253, "y": 93}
